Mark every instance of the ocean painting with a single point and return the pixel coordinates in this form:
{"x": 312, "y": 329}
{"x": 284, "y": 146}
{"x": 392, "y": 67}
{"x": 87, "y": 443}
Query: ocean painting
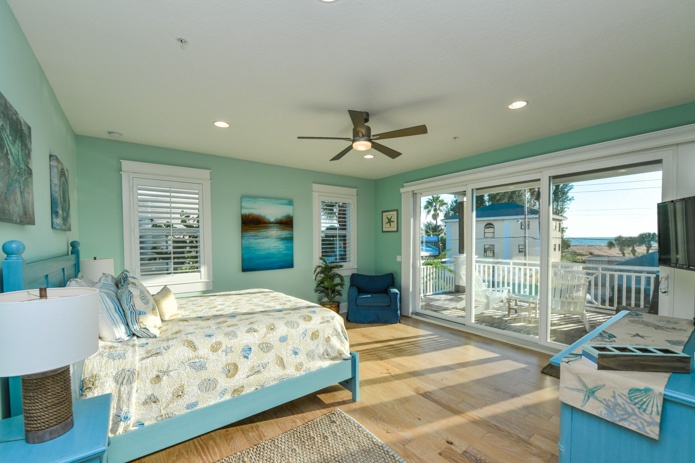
{"x": 267, "y": 234}
{"x": 16, "y": 175}
{"x": 60, "y": 194}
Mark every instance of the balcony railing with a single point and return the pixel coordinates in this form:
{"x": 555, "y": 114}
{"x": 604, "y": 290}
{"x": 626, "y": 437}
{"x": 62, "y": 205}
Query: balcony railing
{"x": 609, "y": 286}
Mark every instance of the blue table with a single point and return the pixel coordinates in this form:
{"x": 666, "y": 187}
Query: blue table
{"x": 588, "y": 438}
{"x": 86, "y": 442}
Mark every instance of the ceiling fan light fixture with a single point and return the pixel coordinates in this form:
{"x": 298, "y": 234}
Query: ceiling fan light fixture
{"x": 518, "y": 104}
{"x": 361, "y": 145}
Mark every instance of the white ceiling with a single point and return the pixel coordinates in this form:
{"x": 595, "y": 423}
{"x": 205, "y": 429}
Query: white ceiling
{"x": 276, "y": 69}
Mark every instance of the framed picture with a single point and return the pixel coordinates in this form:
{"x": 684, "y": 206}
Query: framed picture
{"x": 60, "y": 195}
{"x": 389, "y": 221}
{"x": 267, "y": 234}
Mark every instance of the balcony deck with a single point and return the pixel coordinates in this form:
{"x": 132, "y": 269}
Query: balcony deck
{"x": 564, "y": 329}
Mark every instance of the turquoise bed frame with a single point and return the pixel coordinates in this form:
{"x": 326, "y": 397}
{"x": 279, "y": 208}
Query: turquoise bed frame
{"x": 55, "y": 272}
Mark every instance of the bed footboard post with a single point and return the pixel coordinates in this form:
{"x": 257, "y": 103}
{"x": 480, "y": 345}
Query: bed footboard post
{"x": 13, "y": 266}
{"x": 353, "y": 384}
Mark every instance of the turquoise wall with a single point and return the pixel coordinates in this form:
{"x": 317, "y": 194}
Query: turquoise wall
{"x": 24, "y": 85}
{"x": 100, "y": 202}
{"x": 387, "y": 191}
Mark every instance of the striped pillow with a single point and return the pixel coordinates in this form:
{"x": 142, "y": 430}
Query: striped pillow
{"x": 139, "y": 308}
{"x": 112, "y": 323}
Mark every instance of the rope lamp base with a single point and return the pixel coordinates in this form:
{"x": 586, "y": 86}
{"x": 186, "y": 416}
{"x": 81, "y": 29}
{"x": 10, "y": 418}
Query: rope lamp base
{"x": 47, "y": 403}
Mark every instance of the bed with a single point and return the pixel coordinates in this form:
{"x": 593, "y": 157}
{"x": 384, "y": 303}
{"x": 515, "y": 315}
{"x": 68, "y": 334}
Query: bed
{"x": 136, "y": 435}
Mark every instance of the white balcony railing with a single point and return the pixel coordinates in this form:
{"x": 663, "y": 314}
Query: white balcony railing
{"x": 609, "y": 285}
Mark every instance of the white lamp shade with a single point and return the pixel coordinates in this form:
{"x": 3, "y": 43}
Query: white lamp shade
{"x": 38, "y": 335}
{"x": 94, "y": 268}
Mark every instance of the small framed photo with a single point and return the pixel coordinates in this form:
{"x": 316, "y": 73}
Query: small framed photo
{"x": 389, "y": 221}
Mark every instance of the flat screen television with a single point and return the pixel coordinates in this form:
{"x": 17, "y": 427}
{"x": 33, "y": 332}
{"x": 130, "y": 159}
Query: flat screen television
{"x": 676, "y": 229}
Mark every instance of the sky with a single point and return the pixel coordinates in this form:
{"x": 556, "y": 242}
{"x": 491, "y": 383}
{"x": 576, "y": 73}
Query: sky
{"x": 614, "y": 206}
{"x": 609, "y": 207}
{"x": 272, "y": 209}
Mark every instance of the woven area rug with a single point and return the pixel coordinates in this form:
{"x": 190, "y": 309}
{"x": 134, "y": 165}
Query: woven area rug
{"x": 335, "y": 437}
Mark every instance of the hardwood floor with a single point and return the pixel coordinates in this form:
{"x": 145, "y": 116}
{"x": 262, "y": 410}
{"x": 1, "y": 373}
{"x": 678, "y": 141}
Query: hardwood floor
{"x": 431, "y": 393}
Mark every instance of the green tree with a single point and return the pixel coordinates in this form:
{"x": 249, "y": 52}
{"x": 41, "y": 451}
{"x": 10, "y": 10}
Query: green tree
{"x": 647, "y": 239}
{"x": 434, "y": 206}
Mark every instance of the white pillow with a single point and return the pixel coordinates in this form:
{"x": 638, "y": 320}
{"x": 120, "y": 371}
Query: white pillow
{"x": 112, "y": 322}
{"x": 139, "y": 308}
{"x": 166, "y": 304}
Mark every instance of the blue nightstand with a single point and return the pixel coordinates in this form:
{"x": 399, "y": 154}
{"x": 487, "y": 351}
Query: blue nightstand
{"x": 86, "y": 442}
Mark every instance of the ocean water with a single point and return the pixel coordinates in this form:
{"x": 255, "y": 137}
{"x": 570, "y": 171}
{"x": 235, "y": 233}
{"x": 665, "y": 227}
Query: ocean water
{"x": 590, "y": 241}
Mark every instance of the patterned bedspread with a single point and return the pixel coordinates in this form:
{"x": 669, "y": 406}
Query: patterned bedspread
{"x": 221, "y": 346}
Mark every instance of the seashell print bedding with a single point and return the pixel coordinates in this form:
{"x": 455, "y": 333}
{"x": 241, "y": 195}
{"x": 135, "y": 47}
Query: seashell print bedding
{"x": 220, "y": 346}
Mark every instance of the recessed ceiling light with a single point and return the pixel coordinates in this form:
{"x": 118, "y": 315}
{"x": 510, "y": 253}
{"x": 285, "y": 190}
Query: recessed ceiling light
{"x": 113, "y": 134}
{"x": 221, "y": 124}
{"x": 368, "y": 156}
{"x": 518, "y": 104}
{"x": 327, "y": 1}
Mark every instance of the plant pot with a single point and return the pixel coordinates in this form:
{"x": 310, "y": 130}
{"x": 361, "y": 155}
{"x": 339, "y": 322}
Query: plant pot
{"x": 334, "y": 306}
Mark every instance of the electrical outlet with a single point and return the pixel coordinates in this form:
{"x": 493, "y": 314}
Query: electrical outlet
{"x": 398, "y": 258}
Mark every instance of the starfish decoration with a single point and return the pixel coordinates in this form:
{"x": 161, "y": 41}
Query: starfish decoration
{"x": 637, "y": 335}
{"x": 166, "y": 372}
{"x": 389, "y": 220}
{"x": 589, "y": 392}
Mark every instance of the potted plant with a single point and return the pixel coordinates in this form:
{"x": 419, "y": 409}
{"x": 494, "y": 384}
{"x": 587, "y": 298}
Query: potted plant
{"x": 329, "y": 284}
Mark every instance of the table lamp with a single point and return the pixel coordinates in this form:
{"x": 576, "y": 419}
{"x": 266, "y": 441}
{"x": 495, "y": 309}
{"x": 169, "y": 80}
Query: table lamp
{"x": 94, "y": 268}
{"x": 42, "y": 332}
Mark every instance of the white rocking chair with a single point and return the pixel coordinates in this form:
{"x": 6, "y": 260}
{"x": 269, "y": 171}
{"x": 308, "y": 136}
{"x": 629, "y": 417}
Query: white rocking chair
{"x": 569, "y": 295}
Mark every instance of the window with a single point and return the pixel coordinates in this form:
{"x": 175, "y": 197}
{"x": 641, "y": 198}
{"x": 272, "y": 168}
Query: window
{"x": 489, "y": 250}
{"x": 335, "y": 225}
{"x": 522, "y": 249}
{"x": 489, "y": 230}
{"x": 166, "y": 225}
{"x": 524, "y": 225}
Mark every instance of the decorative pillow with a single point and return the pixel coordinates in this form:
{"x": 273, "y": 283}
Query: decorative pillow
{"x": 86, "y": 280}
{"x": 166, "y": 304}
{"x": 122, "y": 278}
{"x": 112, "y": 322}
{"x": 139, "y": 308}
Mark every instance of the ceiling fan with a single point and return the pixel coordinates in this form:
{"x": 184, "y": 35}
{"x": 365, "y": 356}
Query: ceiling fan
{"x": 362, "y": 138}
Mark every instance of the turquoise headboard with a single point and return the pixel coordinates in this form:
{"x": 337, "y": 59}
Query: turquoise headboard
{"x": 17, "y": 274}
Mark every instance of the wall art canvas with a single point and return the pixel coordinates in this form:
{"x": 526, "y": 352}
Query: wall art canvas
{"x": 267, "y": 234}
{"x": 16, "y": 176}
{"x": 60, "y": 195}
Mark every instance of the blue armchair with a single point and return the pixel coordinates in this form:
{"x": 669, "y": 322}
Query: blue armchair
{"x": 373, "y": 299}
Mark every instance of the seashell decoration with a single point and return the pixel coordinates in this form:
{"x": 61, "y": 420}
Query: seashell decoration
{"x": 207, "y": 385}
{"x": 238, "y": 391}
{"x": 315, "y": 335}
{"x": 299, "y": 366}
{"x": 307, "y": 318}
{"x": 279, "y": 361}
{"x": 198, "y": 365}
{"x": 231, "y": 335}
{"x": 252, "y": 330}
{"x": 150, "y": 399}
{"x": 265, "y": 347}
{"x": 258, "y": 369}
{"x": 191, "y": 345}
{"x": 125, "y": 377}
{"x": 292, "y": 324}
{"x": 89, "y": 383}
{"x": 165, "y": 416}
{"x": 646, "y": 400}
{"x": 178, "y": 392}
{"x": 230, "y": 370}
{"x": 215, "y": 346}
{"x": 156, "y": 379}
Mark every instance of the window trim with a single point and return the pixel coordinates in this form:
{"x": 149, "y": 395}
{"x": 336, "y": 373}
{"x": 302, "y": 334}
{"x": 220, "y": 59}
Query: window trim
{"x": 131, "y": 173}
{"x": 489, "y": 230}
{"x": 335, "y": 193}
{"x": 488, "y": 250}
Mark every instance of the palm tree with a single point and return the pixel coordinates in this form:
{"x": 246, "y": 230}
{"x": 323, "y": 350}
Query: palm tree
{"x": 434, "y": 206}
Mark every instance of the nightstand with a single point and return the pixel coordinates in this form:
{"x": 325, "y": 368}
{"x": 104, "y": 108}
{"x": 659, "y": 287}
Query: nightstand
{"x": 86, "y": 442}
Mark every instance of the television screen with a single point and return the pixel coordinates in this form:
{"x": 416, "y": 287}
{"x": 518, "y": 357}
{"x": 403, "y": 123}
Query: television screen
{"x": 676, "y": 223}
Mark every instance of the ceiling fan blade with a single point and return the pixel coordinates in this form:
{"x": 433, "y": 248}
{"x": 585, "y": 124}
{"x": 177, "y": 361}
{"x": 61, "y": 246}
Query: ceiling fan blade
{"x": 342, "y": 153}
{"x": 417, "y": 130}
{"x": 393, "y": 154}
{"x": 324, "y": 138}
{"x": 359, "y": 119}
